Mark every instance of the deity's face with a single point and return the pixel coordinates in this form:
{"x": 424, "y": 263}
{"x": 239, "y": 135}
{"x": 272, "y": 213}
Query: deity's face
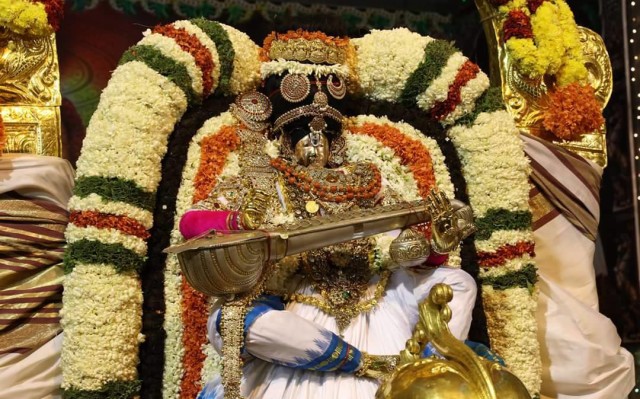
{"x": 306, "y": 113}
{"x": 313, "y": 150}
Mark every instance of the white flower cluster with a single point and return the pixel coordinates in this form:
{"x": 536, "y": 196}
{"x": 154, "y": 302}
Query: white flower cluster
{"x": 494, "y": 164}
{"x": 272, "y": 148}
{"x": 128, "y": 133}
{"x": 212, "y": 363}
{"x": 170, "y": 49}
{"x": 173, "y": 348}
{"x": 383, "y": 243}
{"x": 282, "y": 66}
{"x": 515, "y": 340}
{"x": 209, "y": 44}
{"x": 101, "y": 318}
{"x": 386, "y": 60}
{"x": 173, "y": 325}
{"x": 438, "y": 90}
{"x": 246, "y": 63}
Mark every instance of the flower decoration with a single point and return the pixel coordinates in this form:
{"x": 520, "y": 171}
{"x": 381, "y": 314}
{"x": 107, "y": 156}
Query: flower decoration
{"x": 542, "y": 37}
{"x": 572, "y": 110}
{"x": 31, "y": 18}
{"x": 119, "y": 172}
{"x": 518, "y": 25}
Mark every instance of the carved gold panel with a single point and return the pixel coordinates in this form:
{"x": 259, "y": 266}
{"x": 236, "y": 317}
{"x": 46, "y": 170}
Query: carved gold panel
{"x": 30, "y": 95}
{"x": 32, "y": 129}
{"x": 526, "y": 99}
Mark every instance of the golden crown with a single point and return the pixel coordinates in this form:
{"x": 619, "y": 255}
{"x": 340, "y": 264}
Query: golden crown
{"x": 315, "y": 47}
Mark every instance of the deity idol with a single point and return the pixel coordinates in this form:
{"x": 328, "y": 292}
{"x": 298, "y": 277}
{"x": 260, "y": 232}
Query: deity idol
{"x": 330, "y": 321}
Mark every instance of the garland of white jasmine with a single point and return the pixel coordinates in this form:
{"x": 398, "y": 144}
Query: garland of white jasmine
{"x": 119, "y": 171}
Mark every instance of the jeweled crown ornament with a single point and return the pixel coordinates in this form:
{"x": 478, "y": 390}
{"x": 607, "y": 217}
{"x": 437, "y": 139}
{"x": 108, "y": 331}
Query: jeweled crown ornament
{"x": 303, "y": 46}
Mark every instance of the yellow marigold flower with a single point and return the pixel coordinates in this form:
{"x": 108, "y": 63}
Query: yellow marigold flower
{"x": 547, "y": 36}
{"x": 24, "y": 18}
{"x": 555, "y": 48}
{"x": 514, "y": 5}
{"x": 572, "y": 71}
{"x": 525, "y": 57}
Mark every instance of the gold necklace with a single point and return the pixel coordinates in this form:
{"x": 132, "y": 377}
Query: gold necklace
{"x": 343, "y": 314}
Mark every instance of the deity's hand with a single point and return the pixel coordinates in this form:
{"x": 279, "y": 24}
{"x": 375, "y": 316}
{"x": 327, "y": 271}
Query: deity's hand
{"x": 377, "y": 367}
{"x": 445, "y": 223}
{"x": 254, "y": 209}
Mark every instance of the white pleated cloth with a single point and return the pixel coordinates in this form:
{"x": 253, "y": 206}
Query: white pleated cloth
{"x": 33, "y": 375}
{"x": 581, "y": 350}
{"x": 383, "y": 331}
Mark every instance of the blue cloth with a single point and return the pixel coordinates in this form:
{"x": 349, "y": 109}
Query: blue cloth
{"x": 261, "y": 305}
{"x": 478, "y": 348}
{"x": 331, "y": 353}
{"x": 212, "y": 389}
{"x": 336, "y": 356}
{"x": 484, "y": 351}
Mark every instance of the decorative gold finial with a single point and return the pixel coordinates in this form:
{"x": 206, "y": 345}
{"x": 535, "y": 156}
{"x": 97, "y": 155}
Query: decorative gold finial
{"x": 461, "y": 374}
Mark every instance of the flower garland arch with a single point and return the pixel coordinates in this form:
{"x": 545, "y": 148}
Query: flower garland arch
{"x": 119, "y": 171}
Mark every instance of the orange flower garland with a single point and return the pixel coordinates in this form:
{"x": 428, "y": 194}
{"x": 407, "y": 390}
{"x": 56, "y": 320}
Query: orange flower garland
{"x": 195, "y": 312}
{"x": 572, "y": 111}
{"x": 411, "y": 152}
{"x": 297, "y": 176}
{"x": 505, "y": 253}
{"x": 215, "y": 150}
{"x": 125, "y": 224}
{"x": 441, "y": 109}
{"x": 192, "y": 45}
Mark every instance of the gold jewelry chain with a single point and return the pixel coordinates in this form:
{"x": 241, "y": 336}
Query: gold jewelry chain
{"x": 343, "y": 315}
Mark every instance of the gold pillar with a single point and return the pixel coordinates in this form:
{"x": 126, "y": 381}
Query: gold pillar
{"x": 30, "y": 96}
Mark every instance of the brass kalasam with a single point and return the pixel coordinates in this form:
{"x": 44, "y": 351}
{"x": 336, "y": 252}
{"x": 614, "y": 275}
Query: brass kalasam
{"x": 30, "y": 94}
{"x": 526, "y": 99}
{"x": 461, "y": 374}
